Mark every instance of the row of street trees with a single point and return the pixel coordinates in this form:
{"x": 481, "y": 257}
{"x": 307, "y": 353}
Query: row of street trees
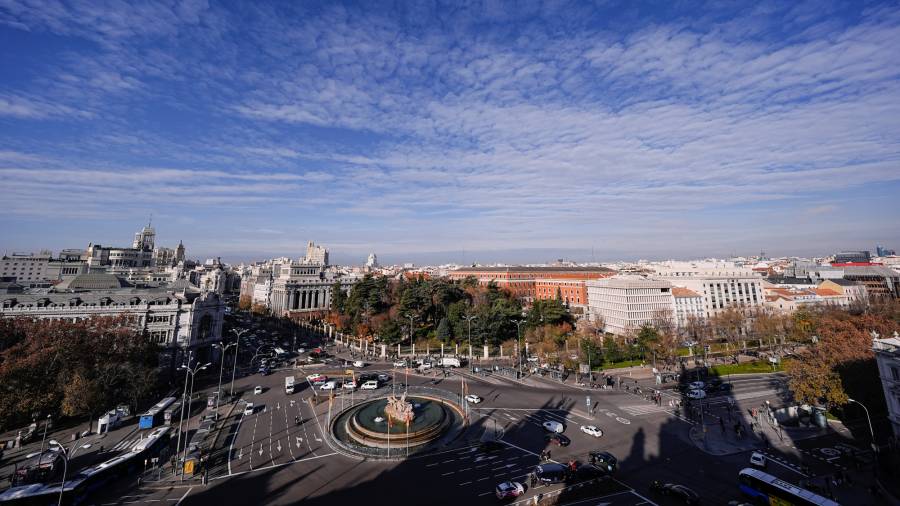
{"x": 73, "y": 369}
{"x": 440, "y": 309}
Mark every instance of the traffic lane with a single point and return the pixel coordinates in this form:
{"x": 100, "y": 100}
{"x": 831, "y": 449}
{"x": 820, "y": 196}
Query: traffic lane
{"x": 473, "y": 474}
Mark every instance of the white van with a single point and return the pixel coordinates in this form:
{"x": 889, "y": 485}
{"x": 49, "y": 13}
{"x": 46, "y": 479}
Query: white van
{"x": 370, "y": 385}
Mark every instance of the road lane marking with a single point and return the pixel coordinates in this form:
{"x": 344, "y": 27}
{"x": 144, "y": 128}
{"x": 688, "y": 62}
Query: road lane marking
{"x": 276, "y": 465}
{"x": 185, "y": 495}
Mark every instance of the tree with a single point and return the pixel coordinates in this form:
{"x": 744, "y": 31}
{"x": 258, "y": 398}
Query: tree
{"x": 444, "y": 333}
{"x": 729, "y": 324}
{"x": 245, "y": 302}
{"x": 338, "y": 297}
{"x": 647, "y": 339}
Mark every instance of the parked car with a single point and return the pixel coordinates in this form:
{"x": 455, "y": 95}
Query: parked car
{"x": 349, "y": 385}
{"x": 696, "y": 385}
{"x": 400, "y": 363}
{"x": 248, "y": 409}
{"x": 553, "y": 426}
{"x": 370, "y": 385}
{"x": 474, "y": 399}
{"x": 604, "y": 459}
{"x": 591, "y": 430}
{"x": 359, "y": 363}
{"x": 316, "y": 378}
{"x": 551, "y": 473}
{"x": 509, "y": 490}
{"x": 696, "y": 394}
{"x": 328, "y": 385}
{"x": 758, "y": 460}
{"x": 558, "y": 439}
{"x": 685, "y": 494}
{"x": 258, "y": 390}
{"x": 426, "y": 365}
{"x": 590, "y": 472}
{"x": 383, "y": 378}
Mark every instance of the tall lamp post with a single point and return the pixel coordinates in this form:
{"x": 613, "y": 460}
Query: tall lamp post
{"x": 469, "y": 320}
{"x": 193, "y": 372}
{"x": 221, "y": 369}
{"x": 871, "y": 432}
{"x": 519, "y": 344}
{"x": 66, "y": 457}
{"x": 41, "y": 455}
{"x": 237, "y": 342}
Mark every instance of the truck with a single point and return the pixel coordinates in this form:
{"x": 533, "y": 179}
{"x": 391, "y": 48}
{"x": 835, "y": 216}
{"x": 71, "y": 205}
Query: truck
{"x": 450, "y": 362}
{"x": 289, "y": 385}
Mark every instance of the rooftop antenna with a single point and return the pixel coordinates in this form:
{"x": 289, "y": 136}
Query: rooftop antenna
{"x": 149, "y": 223}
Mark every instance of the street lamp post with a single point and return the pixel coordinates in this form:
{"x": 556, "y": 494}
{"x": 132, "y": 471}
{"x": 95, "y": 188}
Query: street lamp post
{"x": 66, "y": 457}
{"x": 41, "y": 456}
{"x": 183, "y": 402}
{"x": 237, "y": 342}
{"x": 871, "y": 432}
{"x": 193, "y": 372}
{"x": 221, "y": 369}
{"x": 469, "y": 320}
{"x": 519, "y": 344}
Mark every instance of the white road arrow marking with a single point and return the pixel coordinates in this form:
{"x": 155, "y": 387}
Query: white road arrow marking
{"x": 278, "y": 406}
{"x": 260, "y": 450}
{"x": 318, "y": 439}
{"x": 299, "y": 440}
{"x": 292, "y": 403}
{"x": 240, "y": 454}
{"x": 279, "y": 446}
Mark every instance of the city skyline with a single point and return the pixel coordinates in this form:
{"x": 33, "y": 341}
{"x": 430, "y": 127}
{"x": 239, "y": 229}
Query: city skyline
{"x": 463, "y": 134}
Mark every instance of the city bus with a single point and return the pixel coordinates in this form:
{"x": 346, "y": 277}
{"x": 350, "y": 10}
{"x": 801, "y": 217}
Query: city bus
{"x": 154, "y": 416}
{"x": 763, "y": 488}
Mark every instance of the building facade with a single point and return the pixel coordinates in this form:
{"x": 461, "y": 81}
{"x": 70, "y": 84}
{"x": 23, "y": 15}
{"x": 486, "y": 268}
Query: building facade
{"x": 721, "y": 285}
{"x": 688, "y": 305}
{"x": 626, "y": 303}
{"x": 887, "y": 356}
{"x": 879, "y": 281}
{"x": 176, "y": 318}
{"x": 572, "y": 292}
{"x": 29, "y": 269}
{"x": 522, "y": 281}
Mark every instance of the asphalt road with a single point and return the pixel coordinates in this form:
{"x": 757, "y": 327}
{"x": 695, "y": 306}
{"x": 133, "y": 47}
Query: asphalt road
{"x": 268, "y": 459}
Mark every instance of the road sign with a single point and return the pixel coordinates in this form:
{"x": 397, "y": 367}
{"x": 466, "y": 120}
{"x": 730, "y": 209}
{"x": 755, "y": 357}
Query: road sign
{"x": 587, "y": 400}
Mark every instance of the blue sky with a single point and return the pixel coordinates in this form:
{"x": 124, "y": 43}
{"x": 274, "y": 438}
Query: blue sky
{"x": 461, "y": 131}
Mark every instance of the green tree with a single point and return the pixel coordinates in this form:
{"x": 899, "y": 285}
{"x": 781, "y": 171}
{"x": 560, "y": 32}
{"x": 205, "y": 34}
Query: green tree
{"x": 338, "y": 297}
{"x": 444, "y": 332}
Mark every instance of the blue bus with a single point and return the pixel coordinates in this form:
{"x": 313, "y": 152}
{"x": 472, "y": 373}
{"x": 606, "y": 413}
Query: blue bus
{"x": 763, "y": 488}
{"x": 78, "y": 488}
{"x": 154, "y": 416}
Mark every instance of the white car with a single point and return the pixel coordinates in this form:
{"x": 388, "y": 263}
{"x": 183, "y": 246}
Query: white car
{"x": 697, "y": 385}
{"x": 370, "y": 385}
{"x": 400, "y": 363}
{"x": 257, "y": 390}
{"x": 349, "y": 385}
{"x": 301, "y": 350}
{"x": 758, "y": 460}
{"x": 248, "y": 409}
{"x": 509, "y": 490}
{"x": 359, "y": 363}
{"x": 554, "y": 427}
{"x": 697, "y": 394}
{"x": 591, "y": 430}
{"x": 328, "y": 385}
{"x": 426, "y": 365}
{"x": 474, "y": 399}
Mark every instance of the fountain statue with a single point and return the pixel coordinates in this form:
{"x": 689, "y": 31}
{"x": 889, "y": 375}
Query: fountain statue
{"x": 399, "y": 409}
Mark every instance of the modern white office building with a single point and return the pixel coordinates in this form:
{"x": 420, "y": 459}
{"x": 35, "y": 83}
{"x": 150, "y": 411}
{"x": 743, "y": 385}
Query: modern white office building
{"x": 626, "y": 303}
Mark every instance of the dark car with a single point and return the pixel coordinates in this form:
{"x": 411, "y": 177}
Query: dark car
{"x": 677, "y": 491}
{"x": 558, "y": 439}
{"x": 551, "y": 473}
{"x": 590, "y": 472}
{"x": 604, "y": 460}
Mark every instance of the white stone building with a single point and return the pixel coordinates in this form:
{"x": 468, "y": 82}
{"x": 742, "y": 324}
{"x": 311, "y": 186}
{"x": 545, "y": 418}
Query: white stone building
{"x": 722, "y": 284}
{"x": 29, "y": 269}
{"x": 177, "y": 317}
{"x": 688, "y": 305}
{"x": 626, "y": 303}
{"x": 887, "y": 356}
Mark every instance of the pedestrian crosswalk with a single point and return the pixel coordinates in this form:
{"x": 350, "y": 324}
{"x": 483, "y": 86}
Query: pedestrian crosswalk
{"x": 643, "y": 409}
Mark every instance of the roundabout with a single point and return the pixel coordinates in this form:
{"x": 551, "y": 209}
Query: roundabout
{"x": 391, "y": 427}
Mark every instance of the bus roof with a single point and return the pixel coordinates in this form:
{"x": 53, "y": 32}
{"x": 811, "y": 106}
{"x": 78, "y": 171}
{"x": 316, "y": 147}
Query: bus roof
{"x": 787, "y": 487}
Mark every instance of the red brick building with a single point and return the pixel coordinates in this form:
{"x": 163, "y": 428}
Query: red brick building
{"x": 529, "y": 283}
